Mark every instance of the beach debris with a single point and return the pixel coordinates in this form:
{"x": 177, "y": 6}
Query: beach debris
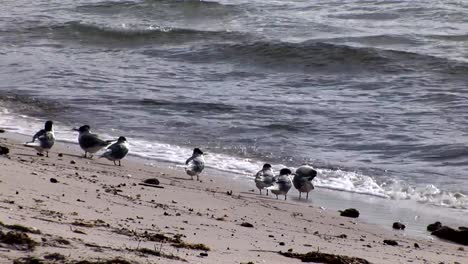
{"x": 461, "y": 249}
{"x": 20, "y": 240}
{"x": 28, "y": 260}
{"x": 4, "y": 150}
{"x": 319, "y": 257}
{"x": 433, "y": 227}
{"x": 153, "y": 181}
{"x": 247, "y": 224}
{"x": 148, "y": 251}
{"x": 55, "y": 256}
{"x": 350, "y": 212}
{"x": 21, "y": 228}
{"x": 399, "y": 226}
{"x": 203, "y": 254}
{"x": 229, "y": 192}
{"x": 416, "y": 245}
{"x": 53, "y": 180}
{"x": 72, "y": 162}
{"x": 450, "y": 234}
{"x": 60, "y": 155}
{"x": 390, "y": 242}
{"x": 282, "y": 243}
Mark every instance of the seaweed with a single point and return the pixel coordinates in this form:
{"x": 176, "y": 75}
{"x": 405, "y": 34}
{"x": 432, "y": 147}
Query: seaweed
{"x": 318, "y": 257}
{"x": 28, "y": 260}
{"x": 18, "y": 238}
{"x": 148, "y": 251}
{"x": 186, "y": 245}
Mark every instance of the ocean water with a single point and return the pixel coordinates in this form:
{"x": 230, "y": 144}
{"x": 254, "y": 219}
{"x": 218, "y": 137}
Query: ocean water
{"x": 374, "y": 94}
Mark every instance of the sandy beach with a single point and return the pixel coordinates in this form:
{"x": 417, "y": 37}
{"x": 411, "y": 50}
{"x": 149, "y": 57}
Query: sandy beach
{"x": 70, "y": 209}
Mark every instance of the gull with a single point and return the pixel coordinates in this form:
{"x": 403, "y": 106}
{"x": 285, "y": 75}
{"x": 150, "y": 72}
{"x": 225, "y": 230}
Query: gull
{"x": 90, "y": 142}
{"x": 302, "y": 180}
{"x": 264, "y": 178}
{"x": 45, "y": 139}
{"x": 195, "y": 164}
{"x": 117, "y": 151}
{"x": 282, "y": 183}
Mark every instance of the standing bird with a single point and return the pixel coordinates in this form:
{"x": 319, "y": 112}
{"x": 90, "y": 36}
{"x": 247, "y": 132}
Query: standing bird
{"x": 282, "y": 184}
{"x": 117, "y": 151}
{"x": 45, "y": 139}
{"x": 264, "y": 178}
{"x": 195, "y": 164}
{"x": 302, "y": 180}
{"x": 90, "y": 142}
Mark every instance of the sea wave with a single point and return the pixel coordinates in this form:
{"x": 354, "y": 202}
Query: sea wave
{"x": 243, "y": 169}
{"x": 128, "y": 34}
{"x": 314, "y": 55}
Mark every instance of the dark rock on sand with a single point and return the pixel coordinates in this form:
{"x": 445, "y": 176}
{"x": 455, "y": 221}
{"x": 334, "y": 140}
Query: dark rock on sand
{"x": 4, "y": 150}
{"x": 319, "y": 257}
{"x": 416, "y": 245}
{"x": 450, "y": 234}
{"x": 351, "y": 212}
{"x": 433, "y": 227}
{"x": 246, "y": 224}
{"x": 390, "y": 242}
{"x": 2, "y": 130}
{"x": 399, "y": 226}
{"x": 53, "y": 180}
{"x": 152, "y": 181}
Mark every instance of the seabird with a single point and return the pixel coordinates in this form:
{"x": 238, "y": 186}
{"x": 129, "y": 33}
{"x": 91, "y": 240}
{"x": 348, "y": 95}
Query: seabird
{"x": 282, "y": 184}
{"x": 45, "y": 139}
{"x": 195, "y": 164}
{"x": 90, "y": 142}
{"x": 116, "y": 151}
{"x": 264, "y": 178}
{"x": 302, "y": 180}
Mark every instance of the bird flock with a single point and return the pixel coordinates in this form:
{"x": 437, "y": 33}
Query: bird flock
{"x": 90, "y": 143}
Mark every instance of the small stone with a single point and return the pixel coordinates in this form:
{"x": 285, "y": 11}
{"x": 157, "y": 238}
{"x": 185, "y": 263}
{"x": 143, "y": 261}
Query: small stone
{"x": 72, "y": 162}
{"x": 282, "y": 243}
{"x": 153, "y": 181}
{"x": 204, "y": 254}
{"x": 416, "y": 245}
{"x": 246, "y": 224}
{"x": 433, "y": 227}
{"x": 60, "y": 155}
{"x": 390, "y": 242}
{"x": 2, "y": 130}
{"x": 53, "y": 180}
{"x": 399, "y": 226}
{"x": 350, "y": 212}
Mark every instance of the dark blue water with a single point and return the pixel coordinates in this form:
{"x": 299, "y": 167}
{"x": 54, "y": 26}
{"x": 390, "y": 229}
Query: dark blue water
{"x": 372, "y": 93}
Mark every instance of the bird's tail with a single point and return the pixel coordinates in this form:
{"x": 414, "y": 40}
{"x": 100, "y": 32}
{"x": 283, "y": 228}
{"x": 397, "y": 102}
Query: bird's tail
{"x": 32, "y": 144}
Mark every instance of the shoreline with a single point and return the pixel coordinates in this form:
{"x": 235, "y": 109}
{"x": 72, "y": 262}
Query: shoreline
{"x": 101, "y": 210}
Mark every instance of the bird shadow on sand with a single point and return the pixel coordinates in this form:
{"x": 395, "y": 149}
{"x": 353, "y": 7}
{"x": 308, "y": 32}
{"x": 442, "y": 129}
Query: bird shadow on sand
{"x": 183, "y": 179}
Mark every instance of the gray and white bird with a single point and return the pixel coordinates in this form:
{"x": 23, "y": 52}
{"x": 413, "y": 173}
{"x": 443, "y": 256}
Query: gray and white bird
{"x": 264, "y": 178}
{"x": 282, "y": 183}
{"x": 117, "y": 151}
{"x": 90, "y": 142}
{"x": 45, "y": 139}
{"x": 195, "y": 164}
{"x": 302, "y": 180}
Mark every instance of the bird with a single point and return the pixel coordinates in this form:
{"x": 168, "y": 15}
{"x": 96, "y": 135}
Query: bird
{"x": 195, "y": 164}
{"x": 45, "y": 139}
{"x": 90, "y": 142}
{"x": 264, "y": 178}
{"x": 302, "y": 180}
{"x": 282, "y": 183}
{"x": 117, "y": 151}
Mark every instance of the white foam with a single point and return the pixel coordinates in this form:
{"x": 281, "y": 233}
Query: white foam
{"x": 244, "y": 169}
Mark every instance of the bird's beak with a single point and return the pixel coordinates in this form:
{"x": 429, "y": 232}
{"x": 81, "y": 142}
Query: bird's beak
{"x": 75, "y": 129}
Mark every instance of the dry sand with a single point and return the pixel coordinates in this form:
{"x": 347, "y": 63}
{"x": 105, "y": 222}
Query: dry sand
{"x": 97, "y": 211}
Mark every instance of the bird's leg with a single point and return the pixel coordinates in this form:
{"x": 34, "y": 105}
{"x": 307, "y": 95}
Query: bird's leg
{"x": 276, "y": 197}
{"x": 120, "y": 163}
{"x": 192, "y": 178}
{"x": 285, "y": 196}
{"x": 300, "y": 195}
{"x": 198, "y": 178}
{"x": 115, "y": 164}
{"x": 260, "y": 191}
{"x": 85, "y": 156}
{"x": 307, "y": 196}
{"x": 267, "y": 191}
{"x": 47, "y": 154}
